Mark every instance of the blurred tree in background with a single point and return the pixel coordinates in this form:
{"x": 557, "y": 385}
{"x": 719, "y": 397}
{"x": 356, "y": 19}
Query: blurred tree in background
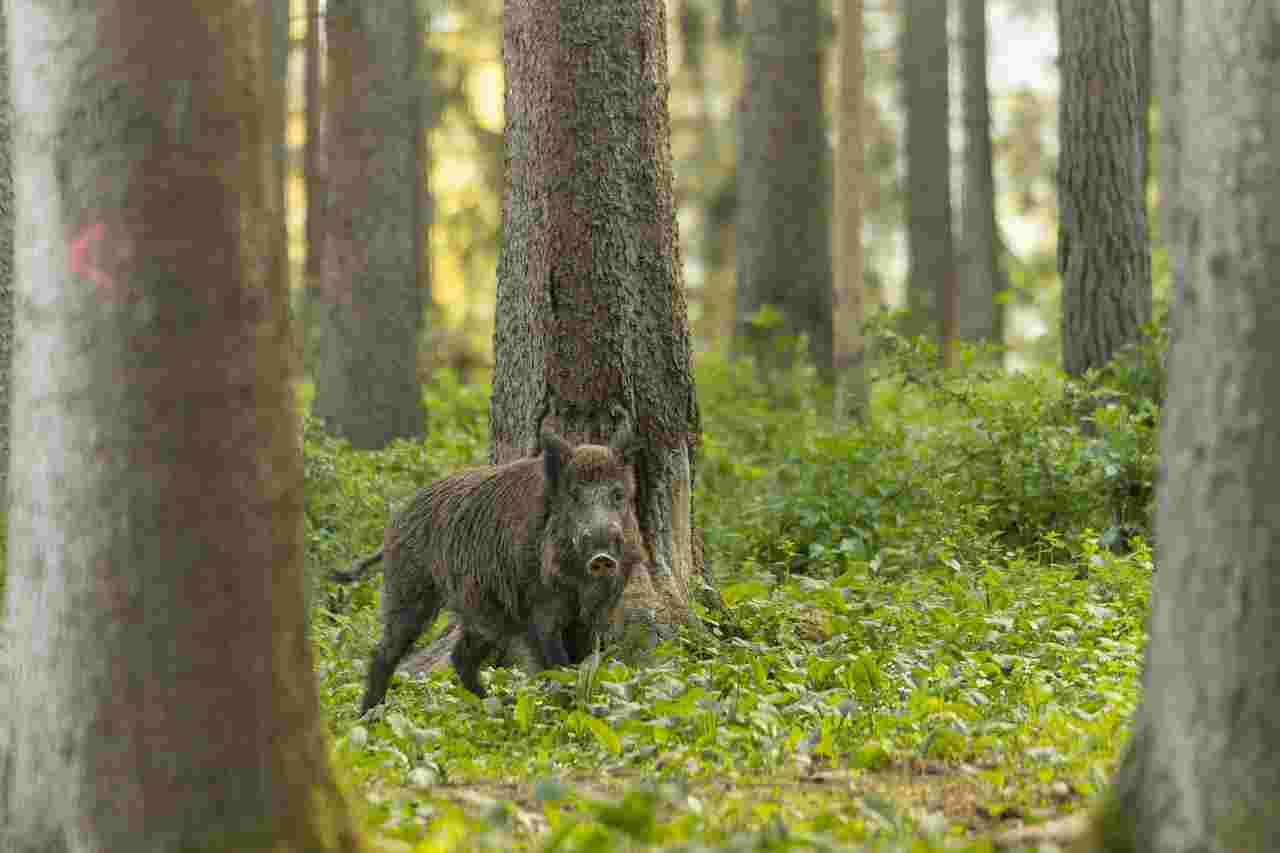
{"x": 463, "y": 121}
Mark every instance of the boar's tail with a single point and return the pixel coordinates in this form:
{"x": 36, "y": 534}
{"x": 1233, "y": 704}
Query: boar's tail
{"x": 358, "y": 569}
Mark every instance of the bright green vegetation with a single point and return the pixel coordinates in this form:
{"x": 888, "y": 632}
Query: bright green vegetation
{"x": 934, "y": 628}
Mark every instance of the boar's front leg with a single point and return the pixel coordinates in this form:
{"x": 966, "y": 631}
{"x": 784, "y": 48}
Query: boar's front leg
{"x": 469, "y": 654}
{"x": 547, "y": 639}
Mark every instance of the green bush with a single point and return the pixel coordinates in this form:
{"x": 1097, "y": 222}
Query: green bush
{"x": 954, "y": 465}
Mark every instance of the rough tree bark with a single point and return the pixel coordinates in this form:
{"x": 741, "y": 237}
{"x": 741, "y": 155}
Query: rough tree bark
{"x": 591, "y": 311}
{"x": 981, "y": 313}
{"x": 371, "y": 309}
{"x": 1104, "y": 254}
{"x": 161, "y": 694}
{"x": 932, "y": 276}
{"x": 784, "y": 184}
{"x": 849, "y": 343}
{"x": 1202, "y": 769}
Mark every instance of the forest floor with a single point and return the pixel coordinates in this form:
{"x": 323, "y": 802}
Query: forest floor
{"x": 931, "y": 639}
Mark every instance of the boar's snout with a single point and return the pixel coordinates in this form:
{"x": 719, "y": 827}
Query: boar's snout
{"x": 602, "y": 564}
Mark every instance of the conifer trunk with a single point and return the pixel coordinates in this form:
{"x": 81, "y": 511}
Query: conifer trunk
{"x": 160, "y": 693}
{"x": 591, "y": 311}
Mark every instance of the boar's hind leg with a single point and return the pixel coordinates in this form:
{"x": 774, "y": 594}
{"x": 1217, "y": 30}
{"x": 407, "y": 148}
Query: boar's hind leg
{"x": 469, "y": 654}
{"x": 401, "y": 626}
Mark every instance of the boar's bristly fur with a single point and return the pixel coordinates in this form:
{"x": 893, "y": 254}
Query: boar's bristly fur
{"x": 540, "y": 548}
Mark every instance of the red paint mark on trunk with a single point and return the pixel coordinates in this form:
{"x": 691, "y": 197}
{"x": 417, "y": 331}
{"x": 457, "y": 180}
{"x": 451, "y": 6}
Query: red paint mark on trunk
{"x": 83, "y": 265}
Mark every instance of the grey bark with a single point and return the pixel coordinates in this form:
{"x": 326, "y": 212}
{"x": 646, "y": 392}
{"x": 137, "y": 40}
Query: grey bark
{"x": 1104, "y": 255}
{"x": 1202, "y": 772}
{"x": 932, "y": 276}
{"x": 371, "y": 308}
{"x": 784, "y": 184}
{"x": 591, "y": 312}
{"x": 1142, "y": 36}
{"x": 849, "y": 292}
{"x": 984, "y": 280}
{"x": 1167, "y": 35}
{"x": 160, "y": 693}
{"x": 6, "y": 257}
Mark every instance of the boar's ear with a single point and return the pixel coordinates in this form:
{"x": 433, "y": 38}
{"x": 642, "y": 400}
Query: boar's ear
{"x": 555, "y": 452}
{"x": 624, "y": 440}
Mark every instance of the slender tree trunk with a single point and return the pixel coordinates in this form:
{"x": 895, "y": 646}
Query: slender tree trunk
{"x": 161, "y": 695}
{"x": 983, "y": 282}
{"x": 6, "y": 257}
{"x": 932, "y": 276}
{"x": 784, "y": 185}
{"x": 1104, "y": 254}
{"x": 313, "y": 177}
{"x": 1140, "y": 20}
{"x": 367, "y": 380}
{"x": 591, "y": 312}
{"x": 849, "y": 300}
{"x": 1202, "y": 770}
{"x": 1168, "y": 35}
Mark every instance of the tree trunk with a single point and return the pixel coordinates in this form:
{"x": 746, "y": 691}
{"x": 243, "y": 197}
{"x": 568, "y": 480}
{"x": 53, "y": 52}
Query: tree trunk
{"x": 371, "y": 309}
{"x": 313, "y": 178}
{"x": 784, "y": 185}
{"x": 1140, "y": 18}
{"x": 6, "y": 256}
{"x": 1167, "y": 33}
{"x": 1202, "y": 771}
{"x": 161, "y": 693}
{"x": 1104, "y": 256}
{"x": 591, "y": 312}
{"x": 849, "y": 300}
{"x": 932, "y": 277}
{"x": 981, "y": 312}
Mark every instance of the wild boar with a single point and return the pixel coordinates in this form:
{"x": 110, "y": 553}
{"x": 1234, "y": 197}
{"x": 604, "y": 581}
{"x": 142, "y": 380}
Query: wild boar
{"x": 539, "y": 548}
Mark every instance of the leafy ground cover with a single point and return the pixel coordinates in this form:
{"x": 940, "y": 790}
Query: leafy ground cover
{"x": 933, "y": 630}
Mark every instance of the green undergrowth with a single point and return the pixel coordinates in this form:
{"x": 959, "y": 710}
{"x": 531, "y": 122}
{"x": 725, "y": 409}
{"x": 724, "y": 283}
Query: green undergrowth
{"x": 933, "y": 630}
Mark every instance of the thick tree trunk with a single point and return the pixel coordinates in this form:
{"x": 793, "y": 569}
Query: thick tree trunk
{"x": 932, "y": 276}
{"x": 784, "y": 184}
{"x": 1202, "y": 771}
{"x": 1104, "y": 254}
{"x": 371, "y": 309}
{"x": 849, "y": 299}
{"x": 591, "y": 312}
{"x": 161, "y": 695}
{"x": 981, "y": 313}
